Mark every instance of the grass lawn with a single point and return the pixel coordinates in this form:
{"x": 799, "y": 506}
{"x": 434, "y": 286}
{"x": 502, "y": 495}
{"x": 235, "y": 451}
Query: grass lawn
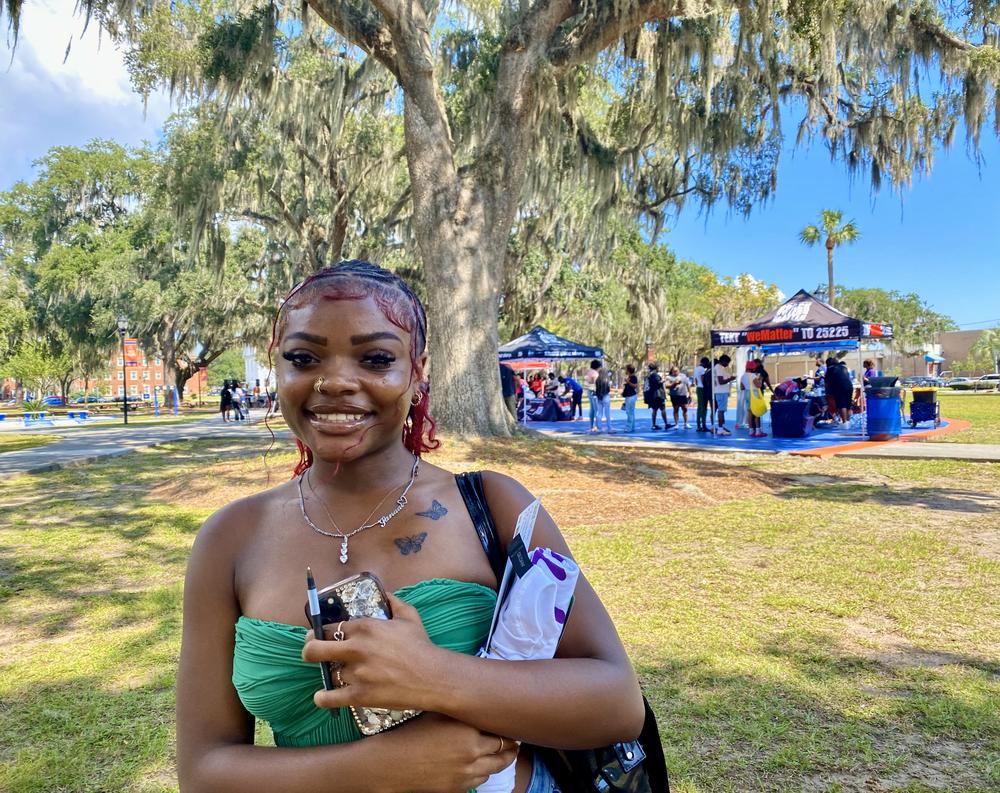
{"x": 983, "y": 410}
{"x": 14, "y": 442}
{"x": 798, "y": 624}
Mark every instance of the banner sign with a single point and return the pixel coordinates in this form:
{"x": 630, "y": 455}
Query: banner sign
{"x": 785, "y": 335}
{"x": 802, "y": 319}
{"x": 131, "y": 352}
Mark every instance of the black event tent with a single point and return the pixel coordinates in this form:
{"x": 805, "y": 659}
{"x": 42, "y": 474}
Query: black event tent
{"x": 802, "y": 322}
{"x": 538, "y": 344}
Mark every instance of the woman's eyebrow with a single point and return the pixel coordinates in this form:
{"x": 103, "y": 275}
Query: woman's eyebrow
{"x": 375, "y": 337}
{"x": 320, "y": 340}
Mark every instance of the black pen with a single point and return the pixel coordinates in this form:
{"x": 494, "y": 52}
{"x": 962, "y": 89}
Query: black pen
{"x": 317, "y": 624}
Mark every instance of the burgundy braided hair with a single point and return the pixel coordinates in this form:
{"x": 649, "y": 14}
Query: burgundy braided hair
{"x": 356, "y": 279}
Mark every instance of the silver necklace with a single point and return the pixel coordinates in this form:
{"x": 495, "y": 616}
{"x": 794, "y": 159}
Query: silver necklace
{"x": 344, "y": 537}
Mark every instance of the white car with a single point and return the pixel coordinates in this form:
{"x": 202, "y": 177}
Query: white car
{"x": 990, "y": 380}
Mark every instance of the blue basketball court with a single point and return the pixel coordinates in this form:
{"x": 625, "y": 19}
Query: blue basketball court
{"x": 822, "y": 440}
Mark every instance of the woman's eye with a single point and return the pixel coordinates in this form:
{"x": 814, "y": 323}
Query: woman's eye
{"x": 379, "y": 360}
{"x": 298, "y": 359}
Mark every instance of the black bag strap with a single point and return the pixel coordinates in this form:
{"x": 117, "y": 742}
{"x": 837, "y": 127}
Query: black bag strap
{"x": 470, "y": 485}
{"x": 574, "y": 771}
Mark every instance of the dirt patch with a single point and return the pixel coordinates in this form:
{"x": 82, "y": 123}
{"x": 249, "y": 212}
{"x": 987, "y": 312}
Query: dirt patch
{"x": 888, "y": 649}
{"x": 933, "y": 763}
{"x": 633, "y": 484}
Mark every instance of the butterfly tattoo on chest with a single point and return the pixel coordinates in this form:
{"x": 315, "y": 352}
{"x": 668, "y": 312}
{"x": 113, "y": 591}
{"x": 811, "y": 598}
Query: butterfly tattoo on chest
{"x": 413, "y": 544}
{"x": 436, "y": 512}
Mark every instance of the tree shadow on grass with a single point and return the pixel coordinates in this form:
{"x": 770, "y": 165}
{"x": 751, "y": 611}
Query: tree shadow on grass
{"x": 616, "y": 465}
{"x": 849, "y": 491}
{"x": 820, "y": 718}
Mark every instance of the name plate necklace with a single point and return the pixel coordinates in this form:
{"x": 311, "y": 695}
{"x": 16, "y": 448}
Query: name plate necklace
{"x": 368, "y": 524}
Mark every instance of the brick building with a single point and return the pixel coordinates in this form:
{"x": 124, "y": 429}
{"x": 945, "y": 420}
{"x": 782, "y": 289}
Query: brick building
{"x": 140, "y": 379}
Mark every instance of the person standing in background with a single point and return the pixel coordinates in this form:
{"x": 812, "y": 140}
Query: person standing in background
{"x": 680, "y": 395}
{"x": 870, "y": 372}
{"x": 655, "y": 395}
{"x": 576, "y": 392}
{"x": 225, "y": 401}
{"x": 839, "y": 389}
{"x": 631, "y": 393}
{"x": 238, "y": 394}
{"x": 743, "y": 395}
{"x": 722, "y": 385}
{"x": 765, "y": 378}
{"x": 701, "y": 372}
{"x": 508, "y": 388}
{"x": 602, "y": 392}
{"x": 589, "y": 385}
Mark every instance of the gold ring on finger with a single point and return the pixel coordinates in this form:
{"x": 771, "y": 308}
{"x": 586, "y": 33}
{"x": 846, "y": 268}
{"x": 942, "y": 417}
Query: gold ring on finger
{"x": 338, "y": 635}
{"x": 498, "y": 751}
{"x": 340, "y": 680}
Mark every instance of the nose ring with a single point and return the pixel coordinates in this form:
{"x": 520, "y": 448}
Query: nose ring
{"x": 318, "y": 385}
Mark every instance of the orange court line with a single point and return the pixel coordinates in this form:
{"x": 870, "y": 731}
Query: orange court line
{"x": 954, "y": 425}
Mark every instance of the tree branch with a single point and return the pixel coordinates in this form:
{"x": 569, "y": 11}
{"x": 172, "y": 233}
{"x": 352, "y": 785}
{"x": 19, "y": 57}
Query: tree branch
{"x": 606, "y": 21}
{"x": 363, "y": 30}
{"x": 943, "y": 38}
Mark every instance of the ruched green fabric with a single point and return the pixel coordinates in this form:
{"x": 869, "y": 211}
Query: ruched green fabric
{"x": 276, "y": 685}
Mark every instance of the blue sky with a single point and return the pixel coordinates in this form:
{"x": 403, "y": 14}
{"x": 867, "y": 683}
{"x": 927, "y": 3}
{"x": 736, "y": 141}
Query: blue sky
{"x": 941, "y": 238}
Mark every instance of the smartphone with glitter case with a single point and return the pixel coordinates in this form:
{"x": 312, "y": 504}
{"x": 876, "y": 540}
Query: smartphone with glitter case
{"x": 356, "y": 597}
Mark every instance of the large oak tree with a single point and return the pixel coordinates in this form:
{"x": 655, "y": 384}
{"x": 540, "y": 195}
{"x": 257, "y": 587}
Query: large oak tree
{"x": 646, "y": 103}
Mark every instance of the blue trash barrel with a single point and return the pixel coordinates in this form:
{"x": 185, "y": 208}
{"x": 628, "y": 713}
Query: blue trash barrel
{"x": 884, "y": 419}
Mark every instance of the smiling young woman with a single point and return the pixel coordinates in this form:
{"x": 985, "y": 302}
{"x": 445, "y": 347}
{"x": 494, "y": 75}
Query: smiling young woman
{"x": 353, "y": 387}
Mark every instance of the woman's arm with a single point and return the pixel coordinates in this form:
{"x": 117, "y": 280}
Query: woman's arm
{"x": 215, "y": 751}
{"x": 588, "y": 696}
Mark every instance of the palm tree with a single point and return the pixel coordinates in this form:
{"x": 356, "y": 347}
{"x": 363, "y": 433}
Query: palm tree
{"x": 989, "y": 344}
{"x": 835, "y": 235}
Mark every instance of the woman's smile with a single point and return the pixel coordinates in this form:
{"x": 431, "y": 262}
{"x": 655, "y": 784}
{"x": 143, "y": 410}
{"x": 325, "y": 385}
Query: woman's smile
{"x": 337, "y": 421}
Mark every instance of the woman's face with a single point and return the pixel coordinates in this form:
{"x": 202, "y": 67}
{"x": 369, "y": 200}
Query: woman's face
{"x": 368, "y": 379}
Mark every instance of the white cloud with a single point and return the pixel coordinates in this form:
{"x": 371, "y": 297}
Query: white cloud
{"x": 94, "y": 67}
{"x": 49, "y": 99}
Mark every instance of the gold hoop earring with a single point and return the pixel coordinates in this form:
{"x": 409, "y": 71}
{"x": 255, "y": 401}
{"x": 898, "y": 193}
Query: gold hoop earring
{"x": 417, "y": 398}
{"x": 318, "y": 385}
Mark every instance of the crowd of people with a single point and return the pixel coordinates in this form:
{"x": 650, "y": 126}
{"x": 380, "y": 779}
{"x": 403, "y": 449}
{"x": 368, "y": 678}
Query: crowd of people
{"x": 236, "y": 399}
{"x": 673, "y": 395}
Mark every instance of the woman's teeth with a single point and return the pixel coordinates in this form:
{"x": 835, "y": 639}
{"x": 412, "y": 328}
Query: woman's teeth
{"x": 339, "y": 418}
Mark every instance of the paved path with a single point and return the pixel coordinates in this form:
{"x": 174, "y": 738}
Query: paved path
{"x": 914, "y": 450}
{"x": 85, "y": 445}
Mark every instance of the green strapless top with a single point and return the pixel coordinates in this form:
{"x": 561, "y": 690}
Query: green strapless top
{"x": 276, "y": 685}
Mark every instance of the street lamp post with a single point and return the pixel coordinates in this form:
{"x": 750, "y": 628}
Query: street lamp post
{"x": 122, "y": 330}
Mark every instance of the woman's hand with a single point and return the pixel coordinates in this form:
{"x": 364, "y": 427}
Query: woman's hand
{"x": 383, "y": 663}
{"x": 436, "y": 754}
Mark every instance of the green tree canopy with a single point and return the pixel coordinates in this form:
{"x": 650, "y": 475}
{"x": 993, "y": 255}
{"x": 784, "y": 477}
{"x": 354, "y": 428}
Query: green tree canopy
{"x": 508, "y": 109}
{"x": 915, "y": 324}
{"x": 94, "y": 236}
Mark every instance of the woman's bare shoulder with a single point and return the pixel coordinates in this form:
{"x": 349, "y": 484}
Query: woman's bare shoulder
{"x": 230, "y": 526}
{"x": 507, "y": 498}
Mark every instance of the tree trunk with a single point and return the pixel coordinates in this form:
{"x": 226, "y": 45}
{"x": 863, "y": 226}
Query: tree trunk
{"x": 168, "y": 349}
{"x": 462, "y": 265}
{"x": 829, "y": 272}
{"x": 180, "y": 378}
{"x": 462, "y": 300}
{"x": 461, "y": 224}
